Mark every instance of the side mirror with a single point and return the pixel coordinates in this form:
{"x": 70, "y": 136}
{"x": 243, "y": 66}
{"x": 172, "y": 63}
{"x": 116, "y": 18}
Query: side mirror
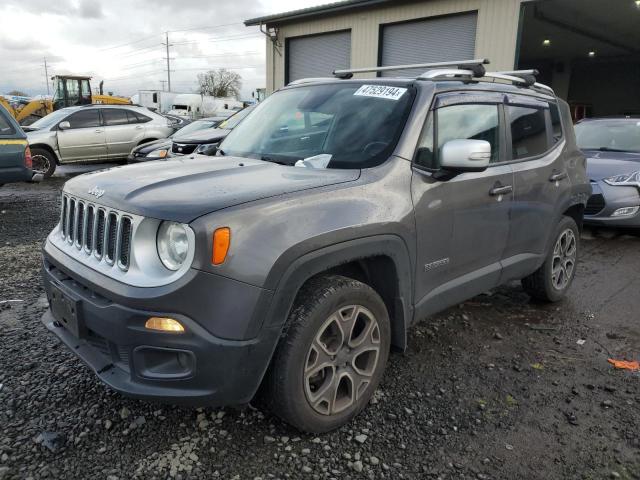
{"x": 466, "y": 155}
{"x": 64, "y": 125}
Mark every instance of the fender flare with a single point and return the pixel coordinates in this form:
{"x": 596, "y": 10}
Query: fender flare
{"x": 318, "y": 261}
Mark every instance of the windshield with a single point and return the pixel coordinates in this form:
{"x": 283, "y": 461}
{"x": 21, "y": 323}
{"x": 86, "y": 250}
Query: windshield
{"x": 613, "y": 136}
{"x": 50, "y": 120}
{"x": 233, "y": 121}
{"x": 194, "y": 127}
{"x": 346, "y": 125}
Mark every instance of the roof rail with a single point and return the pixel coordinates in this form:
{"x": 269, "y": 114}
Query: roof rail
{"x": 310, "y": 80}
{"x": 477, "y": 66}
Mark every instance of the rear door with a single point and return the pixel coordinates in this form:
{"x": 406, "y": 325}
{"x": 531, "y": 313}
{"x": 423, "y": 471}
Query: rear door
{"x": 462, "y": 222}
{"x": 85, "y": 140}
{"x": 122, "y": 131}
{"x": 535, "y": 140}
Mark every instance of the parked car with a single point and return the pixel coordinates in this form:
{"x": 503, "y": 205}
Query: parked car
{"x": 15, "y": 155}
{"x": 612, "y": 147}
{"x": 161, "y": 148}
{"x": 206, "y": 141}
{"x": 335, "y": 216}
{"x": 176, "y": 122}
{"x": 92, "y": 133}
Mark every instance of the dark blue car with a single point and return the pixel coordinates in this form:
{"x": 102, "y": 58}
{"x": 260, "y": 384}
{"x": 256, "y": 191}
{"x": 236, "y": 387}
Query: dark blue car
{"x": 15, "y": 157}
{"x": 612, "y": 148}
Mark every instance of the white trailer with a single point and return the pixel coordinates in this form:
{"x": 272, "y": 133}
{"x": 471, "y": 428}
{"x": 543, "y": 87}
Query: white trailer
{"x": 193, "y": 106}
{"x": 157, "y": 100}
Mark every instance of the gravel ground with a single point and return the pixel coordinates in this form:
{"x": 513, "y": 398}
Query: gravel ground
{"x": 496, "y": 388}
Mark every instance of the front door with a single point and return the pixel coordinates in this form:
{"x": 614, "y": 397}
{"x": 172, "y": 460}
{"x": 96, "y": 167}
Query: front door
{"x": 85, "y": 139}
{"x": 464, "y": 220}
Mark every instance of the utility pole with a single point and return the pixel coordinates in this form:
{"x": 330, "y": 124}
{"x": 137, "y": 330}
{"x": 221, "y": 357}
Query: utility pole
{"x": 46, "y": 75}
{"x": 163, "y": 83}
{"x": 168, "y": 62}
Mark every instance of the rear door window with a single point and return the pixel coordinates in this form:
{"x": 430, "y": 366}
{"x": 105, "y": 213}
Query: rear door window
{"x": 114, "y": 116}
{"x": 84, "y": 119}
{"x": 6, "y": 128}
{"x": 529, "y": 136}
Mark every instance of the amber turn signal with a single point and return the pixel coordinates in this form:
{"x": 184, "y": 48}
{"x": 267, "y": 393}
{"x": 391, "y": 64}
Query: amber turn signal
{"x": 221, "y": 242}
{"x": 164, "y": 325}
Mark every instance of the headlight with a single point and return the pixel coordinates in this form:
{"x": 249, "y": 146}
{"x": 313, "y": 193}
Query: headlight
{"x": 626, "y": 180}
{"x": 207, "y": 149}
{"x": 160, "y": 153}
{"x": 173, "y": 244}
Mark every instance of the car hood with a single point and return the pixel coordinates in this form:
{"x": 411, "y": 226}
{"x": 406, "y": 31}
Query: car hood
{"x": 184, "y": 189}
{"x": 209, "y": 135}
{"x": 147, "y": 148}
{"x": 601, "y": 165}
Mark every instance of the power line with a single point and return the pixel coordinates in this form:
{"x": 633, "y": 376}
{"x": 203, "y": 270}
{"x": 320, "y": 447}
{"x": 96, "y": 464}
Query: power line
{"x": 219, "y": 39}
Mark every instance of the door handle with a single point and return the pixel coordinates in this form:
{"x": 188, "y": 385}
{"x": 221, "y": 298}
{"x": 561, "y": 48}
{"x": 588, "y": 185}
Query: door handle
{"x": 501, "y": 190}
{"x": 139, "y": 127}
{"x": 556, "y": 177}
{"x": 98, "y": 131}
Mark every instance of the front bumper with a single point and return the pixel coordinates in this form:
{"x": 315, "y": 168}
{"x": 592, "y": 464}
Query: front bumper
{"x": 611, "y": 198}
{"x": 194, "y": 368}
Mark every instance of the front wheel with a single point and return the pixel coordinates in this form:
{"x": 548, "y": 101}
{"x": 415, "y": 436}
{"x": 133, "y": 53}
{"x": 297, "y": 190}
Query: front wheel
{"x": 552, "y": 280}
{"x": 333, "y": 356}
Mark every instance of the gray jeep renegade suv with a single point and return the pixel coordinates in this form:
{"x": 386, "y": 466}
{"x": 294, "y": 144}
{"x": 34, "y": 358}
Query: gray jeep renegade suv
{"x": 339, "y": 213}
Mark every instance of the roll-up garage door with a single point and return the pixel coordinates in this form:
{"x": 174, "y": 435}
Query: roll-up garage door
{"x": 317, "y": 55}
{"x": 440, "y": 39}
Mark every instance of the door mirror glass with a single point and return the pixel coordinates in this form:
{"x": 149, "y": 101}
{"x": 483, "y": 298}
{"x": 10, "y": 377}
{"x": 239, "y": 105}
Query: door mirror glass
{"x": 466, "y": 155}
{"x": 64, "y": 125}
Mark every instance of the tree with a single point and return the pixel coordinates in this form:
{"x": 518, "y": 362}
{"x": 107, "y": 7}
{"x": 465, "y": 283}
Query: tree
{"x": 18, "y": 93}
{"x": 220, "y": 83}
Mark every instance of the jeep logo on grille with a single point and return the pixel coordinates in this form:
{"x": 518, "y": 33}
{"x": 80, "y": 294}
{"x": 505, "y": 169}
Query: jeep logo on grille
{"x": 96, "y": 192}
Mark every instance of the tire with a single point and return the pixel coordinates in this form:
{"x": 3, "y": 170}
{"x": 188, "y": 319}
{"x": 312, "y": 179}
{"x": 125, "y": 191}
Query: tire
{"x": 552, "y": 280}
{"x": 315, "y": 398}
{"x": 43, "y": 162}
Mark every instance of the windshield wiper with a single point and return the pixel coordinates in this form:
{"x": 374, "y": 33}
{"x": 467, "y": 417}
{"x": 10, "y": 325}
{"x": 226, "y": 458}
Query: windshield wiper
{"x": 266, "y": 158}
{"x": 609, "y": 149}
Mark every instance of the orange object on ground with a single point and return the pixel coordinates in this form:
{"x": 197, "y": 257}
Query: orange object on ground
{"x": 623, "y": 364}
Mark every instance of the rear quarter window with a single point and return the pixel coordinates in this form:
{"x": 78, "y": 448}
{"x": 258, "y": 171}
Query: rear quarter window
{"x": 556, "y": 123}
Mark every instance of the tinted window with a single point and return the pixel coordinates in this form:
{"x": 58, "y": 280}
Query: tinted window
{"x": 114, "y": 116}
{"x": 528, "y": 131}
{"x": 556, "y": 122}
{"x": 135, "y": 117}
{"x": 5, "y": 127}
{"x": 469, "y": 122}
{"x": 84, "y": 119}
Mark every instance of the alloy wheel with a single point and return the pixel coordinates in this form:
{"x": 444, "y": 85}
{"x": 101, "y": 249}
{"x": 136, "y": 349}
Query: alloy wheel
{"x": 564, "y": 259}
{"x": 341, "y": 360}
{"x": 40, "y": 164}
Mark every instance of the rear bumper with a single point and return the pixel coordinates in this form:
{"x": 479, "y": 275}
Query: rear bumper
{"x": 614, "y": 197}
{"x": 195, "y": 368}
{"x": 15, "y": 174}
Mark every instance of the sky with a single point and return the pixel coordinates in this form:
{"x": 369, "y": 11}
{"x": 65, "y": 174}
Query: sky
{"x": 120, "y": 42}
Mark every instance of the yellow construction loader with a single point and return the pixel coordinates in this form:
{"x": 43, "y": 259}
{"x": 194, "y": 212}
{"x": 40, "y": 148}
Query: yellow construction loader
{"x": 70, "y": 90}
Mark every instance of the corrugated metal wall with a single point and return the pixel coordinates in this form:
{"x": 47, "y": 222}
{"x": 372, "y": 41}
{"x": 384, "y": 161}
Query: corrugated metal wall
{"x": 496, "y": 34}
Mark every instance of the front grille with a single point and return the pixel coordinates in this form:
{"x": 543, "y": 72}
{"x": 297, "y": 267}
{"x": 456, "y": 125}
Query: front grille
{"x": 595, "y": 204}
{"x": 183, "y": 148}
{"x": 97, "y": 231}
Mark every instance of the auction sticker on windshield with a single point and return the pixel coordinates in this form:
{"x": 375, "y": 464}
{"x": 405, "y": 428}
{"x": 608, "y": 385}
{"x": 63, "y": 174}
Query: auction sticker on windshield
{"x": 381, "y": 91}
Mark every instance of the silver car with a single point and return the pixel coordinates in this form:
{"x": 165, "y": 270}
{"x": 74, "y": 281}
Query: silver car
{"x": 92, "y": 133}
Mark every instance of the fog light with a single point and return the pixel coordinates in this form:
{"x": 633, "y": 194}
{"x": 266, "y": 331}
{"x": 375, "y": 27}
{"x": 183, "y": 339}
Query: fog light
{"x": 164, "y": 325}
{"x": 625, "y": 211}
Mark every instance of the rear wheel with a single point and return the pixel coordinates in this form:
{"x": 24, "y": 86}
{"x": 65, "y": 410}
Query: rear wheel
{"x": 333, "y": 356}
{"x": 552, "y": 280}
{"x": 43, "y": 162}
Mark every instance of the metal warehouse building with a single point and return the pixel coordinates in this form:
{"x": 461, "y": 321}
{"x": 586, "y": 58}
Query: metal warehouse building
{"x": 587, "y": 50}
